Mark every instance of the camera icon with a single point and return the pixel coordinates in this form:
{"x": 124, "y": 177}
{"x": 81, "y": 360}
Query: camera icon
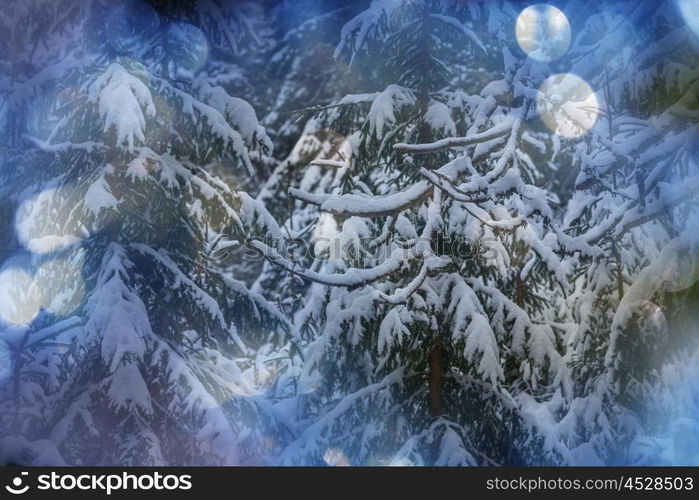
{"x": 16, "y": 488}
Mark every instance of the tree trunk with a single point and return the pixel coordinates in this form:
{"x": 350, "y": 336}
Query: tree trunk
{"x": 436, "y": 369}
{"x": 436, "y": 378}
{"x": 619, "y": 272}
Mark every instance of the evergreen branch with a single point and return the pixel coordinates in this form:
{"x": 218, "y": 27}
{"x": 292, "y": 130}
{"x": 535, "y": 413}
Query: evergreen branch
{"x": 455, "y": 142}
{"x": 352, "y": 278}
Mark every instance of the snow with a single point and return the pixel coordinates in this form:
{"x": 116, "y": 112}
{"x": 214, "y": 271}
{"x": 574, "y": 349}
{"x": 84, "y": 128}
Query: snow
{"x": 455, "y": 142}
{"x": 351, "y": 277}
{"x": 31, "y": 220}
{"x": 124, "y": 102}
{"x": 439, "y": 117}
{"x": 480, "y": 339}
{"x": 117, "y": 315}
{"x": 179, "y": 279}
{"x": 358, "y": 30}
{"x": 127, "y": 388}
{"x": 50, "y": 243}
{"x": 138, "y": 168}
{"x": 20, "y": 298}
{"x": 313, "y": 432}
{"x": 392, "y": 330}
{"x": 455, "y": 23}
{"x": 214, "y": 119}
{"x": 363, "y": 205}
{"x": 384, "y": 107}
{"x": 98, "y": 196}
{"x": 238, "y": 112}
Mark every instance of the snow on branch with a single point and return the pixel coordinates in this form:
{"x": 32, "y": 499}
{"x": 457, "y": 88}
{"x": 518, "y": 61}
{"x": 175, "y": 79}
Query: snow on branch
{"x": 458, "y": 25}
{"x": 215, "y": 120}
{"x": 198, "y": 295}
{"x": 314, "y": 432}
{"x": 366, "y": 206}
{"x": 495, "y": 132}
{"x": 351, "y": 278}
{"x": 122, "y": 100}
{"x": 401, "y": 295}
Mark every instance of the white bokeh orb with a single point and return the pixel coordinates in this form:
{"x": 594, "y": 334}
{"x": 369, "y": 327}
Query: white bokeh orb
{"x": 188, "y": 48}
{"x": 62, "y": 285}
{"x": 20, "y": 298}
{"x": 567, "y": 105}
{"x": 543, "y": 32}
{"x": 680, "y": 271}
{"x": 41, "y": 226}
{"x": 690, "y": 12}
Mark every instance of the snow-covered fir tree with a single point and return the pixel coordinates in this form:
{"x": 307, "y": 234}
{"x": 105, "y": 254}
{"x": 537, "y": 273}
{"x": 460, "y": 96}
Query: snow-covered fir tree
{"x": 418, "y": 354}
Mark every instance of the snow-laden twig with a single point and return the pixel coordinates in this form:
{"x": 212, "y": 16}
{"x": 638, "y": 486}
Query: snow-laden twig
{"x": 351, "y": 278}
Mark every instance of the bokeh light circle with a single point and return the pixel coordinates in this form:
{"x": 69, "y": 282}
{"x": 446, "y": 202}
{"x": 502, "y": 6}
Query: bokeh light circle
{"x": 20, "y": 298}
{"x": 681, "y": 272}
{"x": 62, "y": 285}
{"x": 41, "y": 226}
{"x": 543, "y": 32}
{"x": 568, "y": 105}
{"x": 690, "y": 12}
{"x": 188, "y": 48}
{"x": 648, "y": 317}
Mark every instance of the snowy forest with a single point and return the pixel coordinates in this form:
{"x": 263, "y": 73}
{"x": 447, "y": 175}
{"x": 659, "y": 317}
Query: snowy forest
{"x": 349, "y": 232}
